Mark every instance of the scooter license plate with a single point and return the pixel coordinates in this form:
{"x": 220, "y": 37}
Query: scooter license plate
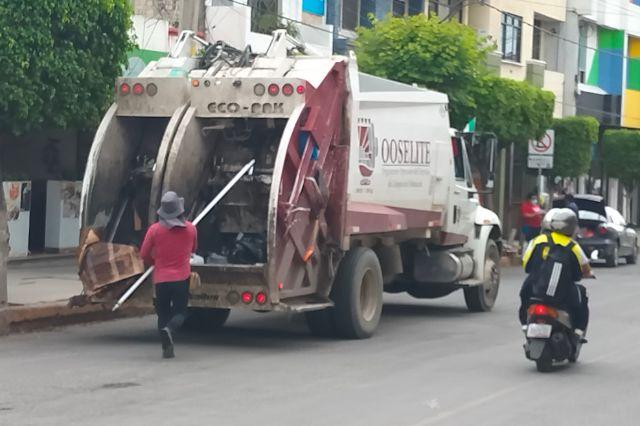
{"x": 539, "y": 331}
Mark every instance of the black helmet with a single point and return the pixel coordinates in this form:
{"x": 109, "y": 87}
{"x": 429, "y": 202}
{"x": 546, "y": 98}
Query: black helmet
{"x": 563, "y": 221}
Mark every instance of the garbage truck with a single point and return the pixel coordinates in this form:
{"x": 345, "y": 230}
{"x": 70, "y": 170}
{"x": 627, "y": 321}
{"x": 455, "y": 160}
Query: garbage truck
{"x": 359, "y": 185}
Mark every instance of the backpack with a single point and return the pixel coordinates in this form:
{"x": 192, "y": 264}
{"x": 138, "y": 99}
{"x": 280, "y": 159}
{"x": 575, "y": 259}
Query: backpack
{"x": 557, "y": 273}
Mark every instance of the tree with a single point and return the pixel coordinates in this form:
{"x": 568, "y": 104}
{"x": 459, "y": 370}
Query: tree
{"x": 515, "y": 111}
{"x": 574, "y": 139}
{"x": 59, "y": 61}
{"x": 621, "y": 156}
{"x": 448, "y": 57}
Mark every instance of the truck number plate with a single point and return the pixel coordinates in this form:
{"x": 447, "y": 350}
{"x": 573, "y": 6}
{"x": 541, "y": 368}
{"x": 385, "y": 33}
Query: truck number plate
{"x": 539, "y": 331}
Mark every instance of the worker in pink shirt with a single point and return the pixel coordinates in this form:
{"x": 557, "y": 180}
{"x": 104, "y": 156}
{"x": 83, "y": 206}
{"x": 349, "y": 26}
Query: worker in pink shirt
{"x": 168, "y": 246}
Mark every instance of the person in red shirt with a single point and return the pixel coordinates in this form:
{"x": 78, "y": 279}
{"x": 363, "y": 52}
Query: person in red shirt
{"x": 532, "y": 216}
{"x": 168, "y": 246}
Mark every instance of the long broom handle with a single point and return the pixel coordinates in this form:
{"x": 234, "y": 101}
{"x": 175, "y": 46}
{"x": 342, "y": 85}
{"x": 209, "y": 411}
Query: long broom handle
{"x": 197, "y": 220}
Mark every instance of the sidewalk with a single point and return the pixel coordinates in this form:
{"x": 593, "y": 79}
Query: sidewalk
{"x": 39, "y": 292}
{"x": 42, "y": 280}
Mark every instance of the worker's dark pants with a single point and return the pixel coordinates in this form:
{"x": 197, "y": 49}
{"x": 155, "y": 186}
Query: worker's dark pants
{"x": 171, "y": 303}
{"x": 576, "y": 302}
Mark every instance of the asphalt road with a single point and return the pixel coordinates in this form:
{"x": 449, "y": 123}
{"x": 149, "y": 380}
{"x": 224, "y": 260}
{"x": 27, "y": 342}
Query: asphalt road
{"x": 430, "y": 363}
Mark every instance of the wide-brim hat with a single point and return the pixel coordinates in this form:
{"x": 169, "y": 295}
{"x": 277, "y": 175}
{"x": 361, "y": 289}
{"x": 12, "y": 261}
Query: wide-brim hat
{"x": 171, "y": 207}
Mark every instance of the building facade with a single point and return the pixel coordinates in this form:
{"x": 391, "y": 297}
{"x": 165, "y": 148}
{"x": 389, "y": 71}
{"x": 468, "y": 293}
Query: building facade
{"x": 527, "y": 39}
{"x": 608, "y": 75}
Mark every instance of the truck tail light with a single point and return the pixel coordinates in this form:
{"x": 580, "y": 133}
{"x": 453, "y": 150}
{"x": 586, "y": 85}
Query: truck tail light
{"x": 259, "y": 89}
{"x": 125, "y": 89}
{"x": 261, "y": 298}
{"x": 287, "y": 90}
{"x": 247, "y": 297}
{"x": 300, "y": 89}
{"x": 274, "y": 89}
{"x": 152, "y": 89}
{"x": 138, "y": 89}
{"x": 195, "y": 83}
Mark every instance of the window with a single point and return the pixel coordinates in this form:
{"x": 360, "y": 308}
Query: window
{"x": 537, "y": 39}
{"x": 399, "y": 8}
{"x": 350, "y": 14}
{"x": 264, "y": 16}
{"x": 458, "y": 158}
{"x": 615, "y": 217}
{"x": 582, "y": 54}
{"x": 416, "y": 7}
{"x": 433, "y": 7}
{"x": 456, "y": 5}
{"x": 511, "y": 37}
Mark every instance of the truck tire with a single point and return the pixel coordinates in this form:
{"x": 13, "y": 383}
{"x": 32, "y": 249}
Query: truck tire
{"x": 206, "y": 319}
{"x": 357, "y": 294}
{"x": 321, "y": 323}
{"x": 481, "y": 298}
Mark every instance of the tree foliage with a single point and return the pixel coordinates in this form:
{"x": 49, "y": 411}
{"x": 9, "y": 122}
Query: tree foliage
{"x": 448, "y": 57}
{"x": 515, "y": 111}
{"x": 59, "y": 61}
{"x": 621, "y": 155}
{"x": 575, "y": 137}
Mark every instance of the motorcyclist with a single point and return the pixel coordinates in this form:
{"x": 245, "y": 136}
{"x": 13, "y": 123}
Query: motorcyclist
{"x": 558, "y": 227}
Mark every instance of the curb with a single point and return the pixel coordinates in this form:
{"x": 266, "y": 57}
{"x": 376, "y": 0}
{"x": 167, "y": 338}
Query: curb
{"x": 40, "y": 257}
{"x": 44, "y": 316}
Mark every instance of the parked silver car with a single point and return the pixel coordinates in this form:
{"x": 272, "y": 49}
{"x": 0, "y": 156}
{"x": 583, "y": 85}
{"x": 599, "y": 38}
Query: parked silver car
{"x": 604, "y": 233}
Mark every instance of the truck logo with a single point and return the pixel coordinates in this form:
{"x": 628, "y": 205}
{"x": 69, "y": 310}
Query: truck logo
{"x": 368, "y": 148}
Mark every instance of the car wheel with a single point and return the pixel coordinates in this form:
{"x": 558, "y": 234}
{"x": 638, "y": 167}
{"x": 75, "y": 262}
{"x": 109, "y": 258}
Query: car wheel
{"x": 633, "y": 258}
{"x": 612, "y": 261}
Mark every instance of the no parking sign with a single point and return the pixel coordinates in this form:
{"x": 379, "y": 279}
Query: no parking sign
{"x": 541, "y": 151}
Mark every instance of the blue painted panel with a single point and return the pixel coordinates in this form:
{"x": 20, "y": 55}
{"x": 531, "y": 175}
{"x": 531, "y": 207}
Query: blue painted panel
{"x": 610, "y": 78}
{"x": 313, "y": 6}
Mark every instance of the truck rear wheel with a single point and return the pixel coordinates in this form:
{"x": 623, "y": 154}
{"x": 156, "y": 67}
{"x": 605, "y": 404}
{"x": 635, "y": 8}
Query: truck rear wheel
{"x": 206, "y": 319}
{"x": 481, "y": 298}
{"x": 357, "y": 294}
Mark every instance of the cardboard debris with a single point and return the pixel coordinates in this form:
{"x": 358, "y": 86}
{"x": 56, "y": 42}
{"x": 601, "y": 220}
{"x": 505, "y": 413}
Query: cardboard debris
{"x": 102, "y": 264}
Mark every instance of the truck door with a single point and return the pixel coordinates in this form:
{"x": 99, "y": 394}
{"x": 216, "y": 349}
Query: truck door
{"x": 464, "y": 201}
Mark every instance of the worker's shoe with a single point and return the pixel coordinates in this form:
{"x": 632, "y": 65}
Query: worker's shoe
{"x": 167, "y": 343}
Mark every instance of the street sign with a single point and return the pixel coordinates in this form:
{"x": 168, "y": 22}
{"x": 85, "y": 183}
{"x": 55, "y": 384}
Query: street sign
{"x": 540, "y": 162}
{"x": 541, "y": 151}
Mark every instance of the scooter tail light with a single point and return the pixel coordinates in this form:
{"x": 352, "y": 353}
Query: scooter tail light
{"x": 542, "y": 311}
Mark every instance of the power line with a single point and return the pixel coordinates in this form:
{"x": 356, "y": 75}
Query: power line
{"x": 619, "y": 12}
